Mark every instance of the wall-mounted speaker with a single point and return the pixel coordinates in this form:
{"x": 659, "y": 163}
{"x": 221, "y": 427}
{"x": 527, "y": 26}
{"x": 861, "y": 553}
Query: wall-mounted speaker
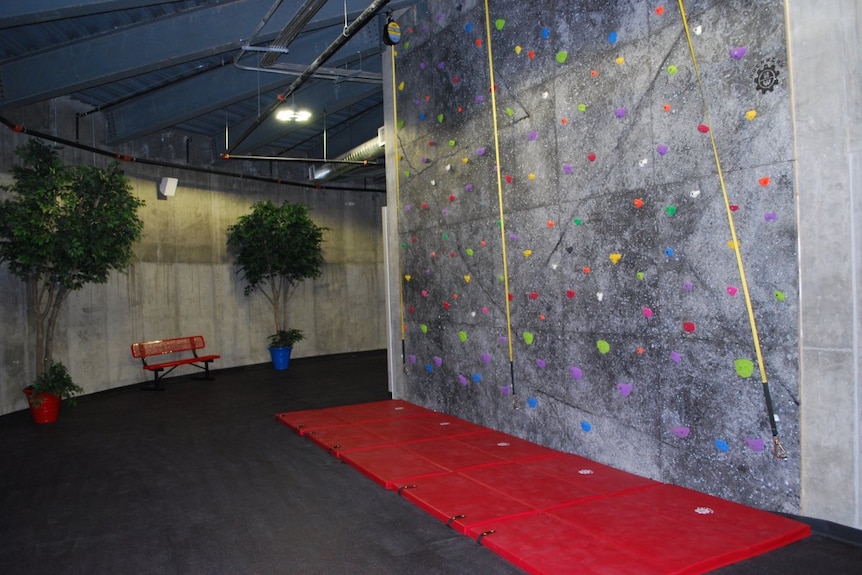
{"x": 168, "y": 187}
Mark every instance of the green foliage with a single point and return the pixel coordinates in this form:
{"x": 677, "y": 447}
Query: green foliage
{"x": 55, "y": 380}
{"x": 275, "y": 248}
{"x": 286, "y": 338}
{"x": 67, "y": 226}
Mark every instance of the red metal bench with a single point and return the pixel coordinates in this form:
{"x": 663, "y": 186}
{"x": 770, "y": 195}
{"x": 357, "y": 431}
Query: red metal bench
{"x": 161, "y": 347}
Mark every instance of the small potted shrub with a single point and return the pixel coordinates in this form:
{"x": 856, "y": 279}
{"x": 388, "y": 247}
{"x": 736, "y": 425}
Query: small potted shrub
{"x": 50, "y": 388}
{"x": 281, "y": 345}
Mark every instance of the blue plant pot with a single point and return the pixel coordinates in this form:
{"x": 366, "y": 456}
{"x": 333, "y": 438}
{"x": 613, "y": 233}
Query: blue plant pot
{"x": 280, "y": 357}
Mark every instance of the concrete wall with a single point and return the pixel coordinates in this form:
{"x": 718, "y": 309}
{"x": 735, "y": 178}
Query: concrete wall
{"x": 183, "y": 281}
{"x": 826, "y": 57}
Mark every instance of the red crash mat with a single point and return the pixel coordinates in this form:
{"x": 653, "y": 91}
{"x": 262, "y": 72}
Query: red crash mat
{"x": 545, "y": 511}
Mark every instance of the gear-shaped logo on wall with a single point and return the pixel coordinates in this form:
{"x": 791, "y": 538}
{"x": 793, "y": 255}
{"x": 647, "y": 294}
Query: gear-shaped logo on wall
{"x": 766, "y": 75}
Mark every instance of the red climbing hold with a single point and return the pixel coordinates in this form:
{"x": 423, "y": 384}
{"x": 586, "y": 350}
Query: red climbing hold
{"x": 702, "y": 128}
{"x": 534, "y": 296}
{"x": 688, "y": 326}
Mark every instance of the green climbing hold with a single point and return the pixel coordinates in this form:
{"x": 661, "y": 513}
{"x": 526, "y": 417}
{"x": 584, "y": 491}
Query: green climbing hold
{"x": 582, "y": 107}
{"x": 779, "y": 295}
{"x": 641, "y": 276}
{"x": 562, "y": 56}
{"x": 445, "y": 236}
{"x": 510, "y": 112}
{"x": 500, "y": 23}
{"x": 744, "y": 367}
{"x": 406, "y": 173}
{"x": 462, "y": 335}
{"x": 470, "y": 252}
{"x": 528, "y": 338}
{"x": 423, "y": 327}
{"x": 500, "y": 277}
{"x": 440, "y": 118}
{"x": 406, "y": 45}
{"x": 578, "y": 221}
{"x": 671, "y": 210}
{"x": 604, "y": 347}
{"x": 400, "y": 124}
{"x": 672, "y": 70}
{"x": 403, "y": 246}
{"x": 451, "y": 143}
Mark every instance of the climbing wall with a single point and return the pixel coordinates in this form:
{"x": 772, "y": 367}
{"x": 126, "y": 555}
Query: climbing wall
{"x": 624, "y": 283}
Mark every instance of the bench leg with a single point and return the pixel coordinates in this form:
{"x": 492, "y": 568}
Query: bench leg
{"x": 206, "y": 374}
{"x": 156, "y": 385}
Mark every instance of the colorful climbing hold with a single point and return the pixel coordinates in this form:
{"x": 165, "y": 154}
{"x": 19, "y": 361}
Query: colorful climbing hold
{"x": 518, "y": 49}
{"x": 612, "y": 37}
{"x": 681, "y": 431}
{"x": 603, "y": 346}
{"x": 672, "y": 69}
{"x": 688, "y": 326}
{"x": 620, "y": 60}
{"x": 509, "y": 179}
{"x": 738, "y": 52}
{"x": 576, "y": 373}
{"x": 499, "y": 24}
{"x": 647, "y": 312}
{"x": 533, "y": 296}
{"x": 546, "y": 33}
{"x": 624, "y": 389}
{"x": 670, "y": 210}
{"x": 731, "y": 290}
{"x": 591, "y": 157}
{"x": 570, "y": 294}
{"x": 540, "y": 363}
{"x": 582, "y": 107}
{"x": 755, "y": 443}
{"x": 568, "y": 169}
{"x": 578, "y": 221}
{"x": 660, "y": 10}
{"x": 675, "y": 357}
{"x": 423, "y": 328}
{"x": 462, "y": 335}
{"x": 669, "y": 252}
{"x": 477, "y": 378}
{"x": 532, "y": 402}
{"x": 615, "y": 258}
{"x": 620, "y": 112}
{"x": 744, "y": 367}
{"x": 764, "y": 181}
{"x": 779, "y": 295}
{"x": 562, "y": 56}
{"x": 528, "y": 253}
{"x": 638, "y": 203}
{"x": 586, "y": 426}
{"x": 640, "y": 276}
{"x": 750, "y": 115}
{"x": 703, "y": 128}
{"x": 661, "y": 149}
{"x": 722, "y": 445}
{"x": 528, "y": 337}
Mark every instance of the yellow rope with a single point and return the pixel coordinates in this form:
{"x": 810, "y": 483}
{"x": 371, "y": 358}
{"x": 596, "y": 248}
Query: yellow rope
{"x": 499, "y": 183}
{"x": 397, "y": 191}
{"x": 778, "y": 449}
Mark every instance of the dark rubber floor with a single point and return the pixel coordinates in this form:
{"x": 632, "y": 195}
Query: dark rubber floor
{"x": 201, "y": 479}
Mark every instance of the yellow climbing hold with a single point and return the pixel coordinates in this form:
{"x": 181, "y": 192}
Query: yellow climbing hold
{"x": 467, "y": 279}
{"x": 532, "y": 176}
{"x": 408, "y": 277}
{"x": 465, "y": 160}
{"x": 401, "y": 86}
{"x": 528, "y": 253}
{"x": 750, "y": 115}
{"x": 615, "y": 258}
{"x": 518, "y": 49}
{"x": 620, "y": 60}
{"x": 731, "y": 245}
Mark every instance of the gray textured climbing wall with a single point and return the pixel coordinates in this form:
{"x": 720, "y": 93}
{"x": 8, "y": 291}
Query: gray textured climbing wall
{"x": 610, "y": 224}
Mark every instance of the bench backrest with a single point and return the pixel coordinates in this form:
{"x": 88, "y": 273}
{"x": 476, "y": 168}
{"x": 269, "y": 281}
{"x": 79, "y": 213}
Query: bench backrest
{"x": 162, "y": 346}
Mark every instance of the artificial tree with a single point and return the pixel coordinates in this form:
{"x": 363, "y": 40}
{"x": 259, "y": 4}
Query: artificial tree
{"x": 275, "y": 249}
{"x": 61, "y": 228}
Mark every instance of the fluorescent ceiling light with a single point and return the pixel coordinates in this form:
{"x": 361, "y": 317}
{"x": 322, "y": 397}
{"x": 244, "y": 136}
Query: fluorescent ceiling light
{"x": 291, "y": 115}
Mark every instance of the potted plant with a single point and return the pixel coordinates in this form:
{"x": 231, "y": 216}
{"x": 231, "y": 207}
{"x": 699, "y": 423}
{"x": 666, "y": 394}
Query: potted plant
{"x": 51, "y": 387}
{"x": 62, "y": 228}
{"x": 275, "y": 249}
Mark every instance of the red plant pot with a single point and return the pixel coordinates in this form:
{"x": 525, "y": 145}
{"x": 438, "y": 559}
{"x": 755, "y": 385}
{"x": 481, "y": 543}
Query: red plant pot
{"x": 44, "y": 407}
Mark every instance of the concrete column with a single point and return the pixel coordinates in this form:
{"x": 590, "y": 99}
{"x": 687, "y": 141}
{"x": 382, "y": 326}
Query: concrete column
{"x": 826, "y": 68}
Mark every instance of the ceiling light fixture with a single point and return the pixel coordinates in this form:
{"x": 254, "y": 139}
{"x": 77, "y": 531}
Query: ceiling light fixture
{"x": 291, "y": 115}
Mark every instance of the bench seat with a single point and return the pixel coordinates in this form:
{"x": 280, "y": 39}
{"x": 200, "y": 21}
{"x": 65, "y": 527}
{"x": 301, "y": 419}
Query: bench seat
{"x": 145, "y": 350}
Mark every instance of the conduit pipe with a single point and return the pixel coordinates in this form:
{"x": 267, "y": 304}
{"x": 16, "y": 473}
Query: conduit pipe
{"x": 342, "y": 39}
{"x": 361, "y": 155}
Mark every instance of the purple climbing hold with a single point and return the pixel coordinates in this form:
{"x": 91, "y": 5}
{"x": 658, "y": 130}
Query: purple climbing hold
{"x": 486, "y": 357}
{"x": 533, "y": 135}
{"x": 625, "y": 389}
{"x": 661, "y": 149}
{"x": 681, "y": 431}
{"x": 620, "y": 113}
{"x": 540, "y": 363}
{"x": 576, "y": 372}
{"x": 738, "y": 52}
{"x": 480, "y": 151}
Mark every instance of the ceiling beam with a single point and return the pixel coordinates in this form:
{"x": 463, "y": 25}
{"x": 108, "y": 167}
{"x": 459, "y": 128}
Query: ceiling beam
{"x": 22, "y": 13}
{"x": 141, "y": 48}
{"x": 213, "y": 90}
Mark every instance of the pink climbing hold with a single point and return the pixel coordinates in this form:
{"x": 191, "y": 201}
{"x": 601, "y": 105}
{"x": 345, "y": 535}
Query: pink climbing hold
{"x": 647, "y": 312}
{"x": 681, "y": 431}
